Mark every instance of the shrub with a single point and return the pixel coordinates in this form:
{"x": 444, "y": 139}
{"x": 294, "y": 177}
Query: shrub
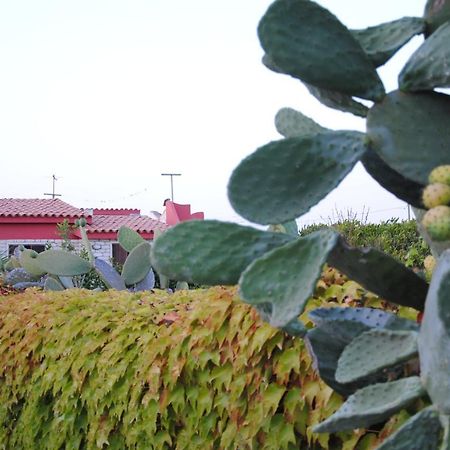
{"x": 398, "y": 239}
{"x": 197, "y": 369}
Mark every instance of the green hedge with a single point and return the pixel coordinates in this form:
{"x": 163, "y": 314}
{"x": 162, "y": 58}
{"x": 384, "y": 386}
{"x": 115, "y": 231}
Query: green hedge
{"x": 398, "y": 239}
{"x": 197, "y": 369}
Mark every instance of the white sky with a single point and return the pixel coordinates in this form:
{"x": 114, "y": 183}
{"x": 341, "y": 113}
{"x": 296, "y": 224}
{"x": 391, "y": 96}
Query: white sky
{"x": 109, "y": 94}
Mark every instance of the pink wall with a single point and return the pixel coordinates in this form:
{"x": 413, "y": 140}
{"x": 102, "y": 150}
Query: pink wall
{"x": 28, "y": 231}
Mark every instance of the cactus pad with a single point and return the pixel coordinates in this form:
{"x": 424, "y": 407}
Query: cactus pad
{"x": 338, "y": 100}
{"x": 286, "y": 277}
{"x": 429, "y": 66}
{"x": 410, "y": 132}
{"x": 369, "y": 317}
{"x": 381, "y": 274}
{"x": 137, "y": 264}
{"x": 308, "y": 42}
{"x": 109, "y": 275}
{"x": 147, "y": 283}
{"x": 406, "y": 190}
{"x": 128, "y": 238}
{"x": 325, "y": 350}
{"x": 28, "y": 261}
{"x": 284, "y": 179}
{"x": 61, "y": 263}
{"x": 362, "y": 357}
{"x": 211, "y": 252}
{"x": 19, "y": 275}
{"x": 335, "y": 329}
{"x": 434, "y": 337}
{"x": 436, "y": 13}
{"x": 420, "y": 432}
{"x": 53, "y": 285}
{"x": 373, "y": 404}
{"x": 67, "y": 282}
{"x": 292, "y": 123}
{"x": 382, "y": 41}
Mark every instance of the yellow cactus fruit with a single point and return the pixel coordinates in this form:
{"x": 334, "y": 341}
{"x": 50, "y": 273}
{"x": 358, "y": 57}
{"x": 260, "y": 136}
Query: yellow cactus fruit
{"x": 440, "y": 174}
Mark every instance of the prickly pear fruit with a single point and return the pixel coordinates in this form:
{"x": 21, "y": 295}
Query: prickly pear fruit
{"x": 429, "y": 263}
{"x": 437, "y": 223}
{"x": 440, "y": 174}
{"x": 436, "y": 194}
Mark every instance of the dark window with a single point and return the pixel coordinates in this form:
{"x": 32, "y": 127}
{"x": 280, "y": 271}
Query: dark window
{"x": 36, "y": 247}
{"x": 119, "y": 254}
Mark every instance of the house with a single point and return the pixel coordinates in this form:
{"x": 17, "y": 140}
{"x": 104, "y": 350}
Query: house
{"x": 33, "y": 223}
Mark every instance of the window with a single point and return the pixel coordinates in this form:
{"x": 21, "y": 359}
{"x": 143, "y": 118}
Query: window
{"x": 36, "y": 247}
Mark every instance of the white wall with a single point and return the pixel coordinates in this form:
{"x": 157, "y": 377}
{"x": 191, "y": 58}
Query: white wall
{"x": 101, "y": 249}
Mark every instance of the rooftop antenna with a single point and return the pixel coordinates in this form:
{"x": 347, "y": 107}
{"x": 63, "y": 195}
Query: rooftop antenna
{"x": 171, "y": 175}
{"x": 53, "y": 194}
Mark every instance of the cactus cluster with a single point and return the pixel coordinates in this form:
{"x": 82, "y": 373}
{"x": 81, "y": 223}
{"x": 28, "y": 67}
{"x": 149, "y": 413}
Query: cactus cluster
{"x": 407, "y": 137}
{"x": 57, "y": 270}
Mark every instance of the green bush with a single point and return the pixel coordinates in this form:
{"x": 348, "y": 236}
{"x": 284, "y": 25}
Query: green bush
{"x": 197, "y": 369}
{"x": 398, "y": 239}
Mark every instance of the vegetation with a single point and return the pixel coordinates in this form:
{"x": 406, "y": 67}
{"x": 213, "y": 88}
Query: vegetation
{"x": 407, "y": 139}
{"x": 399, "y": 239}
{"x": 196, "y": 369}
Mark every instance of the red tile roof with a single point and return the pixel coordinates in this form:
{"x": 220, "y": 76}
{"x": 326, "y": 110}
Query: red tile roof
{"x": 108, "y": 223}
{"x": 37, "y": 207}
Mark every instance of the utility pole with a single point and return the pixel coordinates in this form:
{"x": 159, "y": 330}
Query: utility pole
{"x": 53, "y": 194}
{"x": 171, "y": 175}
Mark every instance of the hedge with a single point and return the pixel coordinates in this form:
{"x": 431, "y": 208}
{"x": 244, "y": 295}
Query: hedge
{"x": 399, "y": 239}
{"x": 196, "y": 369}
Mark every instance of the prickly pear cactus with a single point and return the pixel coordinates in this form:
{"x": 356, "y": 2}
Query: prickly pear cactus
{"x": 405, "y": 148}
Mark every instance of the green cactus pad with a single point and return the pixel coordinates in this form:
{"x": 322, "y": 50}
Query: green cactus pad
{"x": 362, "y": 357}
{"x": 330, "y": 319}
{"x": 290, "y": 228}
{"x": 292, "y": 123}
{"x": 410, "y": 132}
{"x": 62, "y": 263}
{"x": 436, "y": 13}
{"x": 406, "y": 190}
{"x": 67, "y": 282}
{"x": 18, "y": 275}
{"x": 308, "y": 42}
{"x": 28, "y": 261}
{"x": 284, "y": 179}
{"x": 382, "y": 41}
{"x": 373, "y": 404}
{"x": 137, "y": 264}
{"x": 53, "y": 285}
{"x": 335, "y": 329}
{"x": 381, "y": 274}
{"x": 182, "y": 286}
{"x": 286, "y": 277}
{"x": 420, "y": 432}
{"x": 338, "y": 100}
{"x": 325, "y": 350}
{"x": 429, "y": 66}
{"x": 109, "y": 275}
{"x": 147, "y": 283}
{"x": 211, "y": 252}
{"x": 434, "y": 337}
{"x": 128, "y": 238}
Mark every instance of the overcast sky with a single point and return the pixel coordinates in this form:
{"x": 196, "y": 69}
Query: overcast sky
{"x": 109, "y": 94}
